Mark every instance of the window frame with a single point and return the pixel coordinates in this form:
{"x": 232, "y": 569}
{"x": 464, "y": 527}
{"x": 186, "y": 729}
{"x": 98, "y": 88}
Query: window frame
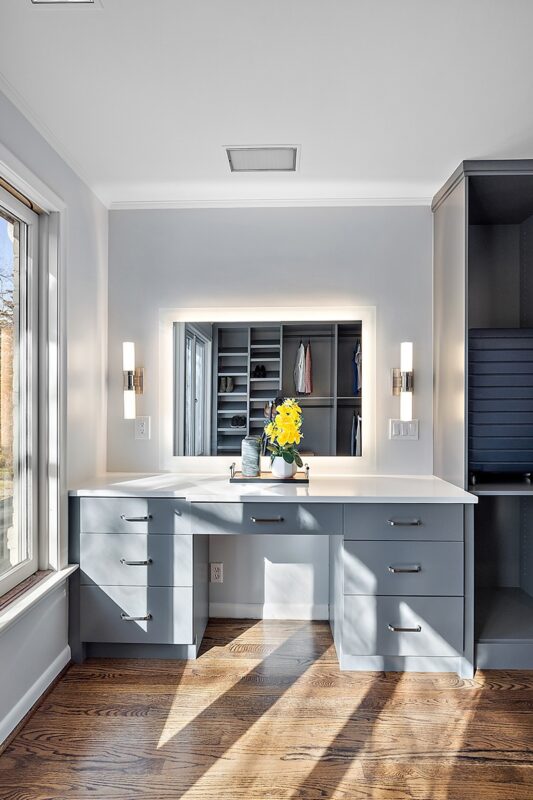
{"x": 29, "y": 471}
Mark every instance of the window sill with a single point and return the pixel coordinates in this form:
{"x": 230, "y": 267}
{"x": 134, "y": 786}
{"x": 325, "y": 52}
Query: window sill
{"x": 15, "y": 610}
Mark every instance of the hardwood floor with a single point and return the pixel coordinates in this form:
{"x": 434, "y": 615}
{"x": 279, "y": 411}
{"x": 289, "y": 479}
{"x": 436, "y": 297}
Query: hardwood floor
{"x": 266, "y": 713}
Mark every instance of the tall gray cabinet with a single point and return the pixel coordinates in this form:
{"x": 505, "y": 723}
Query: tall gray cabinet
{"x": 483, "y": 279}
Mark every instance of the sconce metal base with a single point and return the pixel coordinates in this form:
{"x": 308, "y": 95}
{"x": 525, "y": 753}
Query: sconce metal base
{"x": 133, "y": 380}
{"x": 402, "y": 381}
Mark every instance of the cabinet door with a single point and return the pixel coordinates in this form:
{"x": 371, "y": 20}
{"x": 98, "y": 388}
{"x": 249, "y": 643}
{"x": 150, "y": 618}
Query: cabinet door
{"x": 136, "y": 614}
{"x": 404, "y": 521}
{"x": 249, "y": 518}
{"x": 397, "y": 568}
{"x": 403, "y": 626}
{"x": 136, "y": 559}
{"x": 133, "y": 515}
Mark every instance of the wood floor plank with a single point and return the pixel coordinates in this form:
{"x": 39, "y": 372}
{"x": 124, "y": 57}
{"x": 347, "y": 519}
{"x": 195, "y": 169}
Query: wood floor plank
{"x": 265, "y": 714}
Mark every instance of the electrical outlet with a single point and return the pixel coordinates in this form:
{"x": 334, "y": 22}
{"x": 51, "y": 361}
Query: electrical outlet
{"x": 398, "y": 429}
{"x": 142, "y": 427}
{"x": 217, "y": 572}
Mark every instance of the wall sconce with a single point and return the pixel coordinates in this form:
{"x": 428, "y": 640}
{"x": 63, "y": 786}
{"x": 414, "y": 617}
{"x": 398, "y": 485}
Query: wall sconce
{"x": 133, "y": 379}
{"x": 403, "y": 381}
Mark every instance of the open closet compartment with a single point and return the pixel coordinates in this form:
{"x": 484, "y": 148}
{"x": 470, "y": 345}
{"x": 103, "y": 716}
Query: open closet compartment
{"x": 260, "y": 360}
{"x": 500, "y": 413}
{"x": 500, "y": 323}
{"x": 504, "y": 582}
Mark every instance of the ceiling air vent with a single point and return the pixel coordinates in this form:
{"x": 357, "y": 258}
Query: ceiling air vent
{"x": 61, "y": 2}
{"x": 280, "y": 158}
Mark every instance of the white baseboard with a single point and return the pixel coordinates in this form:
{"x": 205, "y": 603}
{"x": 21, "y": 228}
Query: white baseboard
{"x": 270, "y": 610}
{"x": 12, "y": 719}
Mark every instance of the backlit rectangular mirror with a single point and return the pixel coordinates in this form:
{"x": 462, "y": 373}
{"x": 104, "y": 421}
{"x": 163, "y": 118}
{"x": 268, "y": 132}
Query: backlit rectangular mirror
{"x": 229, "y": 375}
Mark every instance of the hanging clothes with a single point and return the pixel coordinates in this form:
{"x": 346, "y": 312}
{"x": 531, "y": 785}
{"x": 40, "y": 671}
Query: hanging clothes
{"x": 355, "y": 435}
{"x": 308, "y": 369}
{"x": 357, "y": 363}
{"x": 299, "y": 369}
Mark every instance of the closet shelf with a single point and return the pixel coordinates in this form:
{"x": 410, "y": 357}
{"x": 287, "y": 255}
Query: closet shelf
{"x": 231, "y": 430}
{"x": 266, "y": 358}
{"x": 232, "y": 375}
{"x": 507, "y": 615}
{"x": 229, "y": 395}
{"x": 503, "y": 488}
{"x": 266, "y": 346}
{"x": 229, "y": 352}
{"x": 274, "y": 378}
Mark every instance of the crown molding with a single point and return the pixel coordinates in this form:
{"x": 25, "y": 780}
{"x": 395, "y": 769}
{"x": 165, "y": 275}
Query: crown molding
{"x": 21, "y": 104}
{"x": 313, "y": 202}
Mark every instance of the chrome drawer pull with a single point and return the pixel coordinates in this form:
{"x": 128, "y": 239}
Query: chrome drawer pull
{"x": 147, "y": 518}
{"x": 399, "y": 629}
{"x": 397, "y": 570}
{"x": 127, "y": 618}
{"x": 136, "y": 563}
{"x": 415, "y": 523}
{"x": 259, "y": 520}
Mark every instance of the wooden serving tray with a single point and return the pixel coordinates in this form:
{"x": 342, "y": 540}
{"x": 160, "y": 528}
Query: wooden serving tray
{"x": 267, "y": 477}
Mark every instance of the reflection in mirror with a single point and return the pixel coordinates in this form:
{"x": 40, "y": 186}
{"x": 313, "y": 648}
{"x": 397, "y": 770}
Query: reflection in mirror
{"x": 228, "y": 377}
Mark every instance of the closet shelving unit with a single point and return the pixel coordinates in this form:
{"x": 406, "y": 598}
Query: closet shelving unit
{"x": 328, "y": 411}
{"x": 484, "y": 253}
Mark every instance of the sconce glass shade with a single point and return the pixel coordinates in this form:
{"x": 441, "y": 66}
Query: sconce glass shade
{"x": 406, "y": 397}
{"x": 128, "y": 356}
{"x": 129, "y": 404}
{"x": 406, "y": 356}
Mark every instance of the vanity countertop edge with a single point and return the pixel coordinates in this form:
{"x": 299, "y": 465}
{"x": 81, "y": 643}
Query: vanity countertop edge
{"x": 216, "y": 488}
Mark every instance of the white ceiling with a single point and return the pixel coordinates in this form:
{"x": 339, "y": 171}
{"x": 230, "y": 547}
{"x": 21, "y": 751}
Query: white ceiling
{"x": 385, "y": 97}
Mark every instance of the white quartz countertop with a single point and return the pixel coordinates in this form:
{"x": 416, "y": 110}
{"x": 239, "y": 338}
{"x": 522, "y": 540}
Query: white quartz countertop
{"x": 321, "y": 489}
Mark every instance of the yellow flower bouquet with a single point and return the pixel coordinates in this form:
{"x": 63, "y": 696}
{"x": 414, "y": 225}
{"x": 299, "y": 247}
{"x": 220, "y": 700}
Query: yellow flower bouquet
{"x": 284, "y": 435}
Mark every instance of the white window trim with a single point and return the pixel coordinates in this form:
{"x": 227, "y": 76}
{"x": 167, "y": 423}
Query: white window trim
{"x": 53, "y": 508}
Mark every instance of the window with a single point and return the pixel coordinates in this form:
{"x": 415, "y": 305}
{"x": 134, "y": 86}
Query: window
{"x": 18, "y": 391}
{"x": 196, "y": 392}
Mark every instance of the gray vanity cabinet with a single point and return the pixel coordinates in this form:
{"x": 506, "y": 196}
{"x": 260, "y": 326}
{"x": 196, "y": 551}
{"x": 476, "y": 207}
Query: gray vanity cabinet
{"x": 400, "y": 590}
{"x": 397, "y": 588}
{"x": 142, "y": 578}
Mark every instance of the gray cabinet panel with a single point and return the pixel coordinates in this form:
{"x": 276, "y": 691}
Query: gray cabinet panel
{"x": 403, "y": 568}
{"x": 434, "y": 626}
{"x": 117, "y": 559}
{"x": 248, "y": 518}
{"x": 102, "y": 610}
{"x": 133, "y": 515}
{"x": 404, "y": 521}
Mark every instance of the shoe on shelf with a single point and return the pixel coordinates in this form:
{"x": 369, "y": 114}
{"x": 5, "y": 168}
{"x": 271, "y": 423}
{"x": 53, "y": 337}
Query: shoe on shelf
{"x": 222, "y": 385}
{"x": 263, "y": 371}
{"x": 230, "y": 384}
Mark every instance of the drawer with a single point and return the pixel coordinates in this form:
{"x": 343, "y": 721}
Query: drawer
{"x": 411, "y": 568}
{"x": 102, "y": 610}
{"x": 408, "y": 521}
{"x": 133, "y": 515}
{"x": 434, "y": 626}
{"x": 283, "y": 518}
{"x": 116, "y": 559}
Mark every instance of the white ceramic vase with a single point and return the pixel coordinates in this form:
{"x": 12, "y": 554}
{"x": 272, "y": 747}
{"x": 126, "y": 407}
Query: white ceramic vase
{"x": 280, "y": 468}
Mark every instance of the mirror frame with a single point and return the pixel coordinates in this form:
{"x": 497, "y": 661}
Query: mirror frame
{"x": 345, "y": 465}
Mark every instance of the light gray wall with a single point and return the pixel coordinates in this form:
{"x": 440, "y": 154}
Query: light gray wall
{"x": 272, "y": 257}
{"x": 36, "y": 646}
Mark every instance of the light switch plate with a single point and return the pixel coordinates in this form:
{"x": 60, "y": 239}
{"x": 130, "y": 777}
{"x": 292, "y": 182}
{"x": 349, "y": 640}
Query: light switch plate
{"x": 142, "y": 427}
{"x": 398, "y": 429}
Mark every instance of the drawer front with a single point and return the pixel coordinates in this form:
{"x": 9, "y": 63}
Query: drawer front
{"x": 133, "y": 515}
{"x": 434, "y": 626}
{"x": 102, "y": 610}
{"x": 407, "y": 521}
{"x": 283, "y": 518}
{"x": 136, "y": 559}
{"x": 410, "y": 568}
